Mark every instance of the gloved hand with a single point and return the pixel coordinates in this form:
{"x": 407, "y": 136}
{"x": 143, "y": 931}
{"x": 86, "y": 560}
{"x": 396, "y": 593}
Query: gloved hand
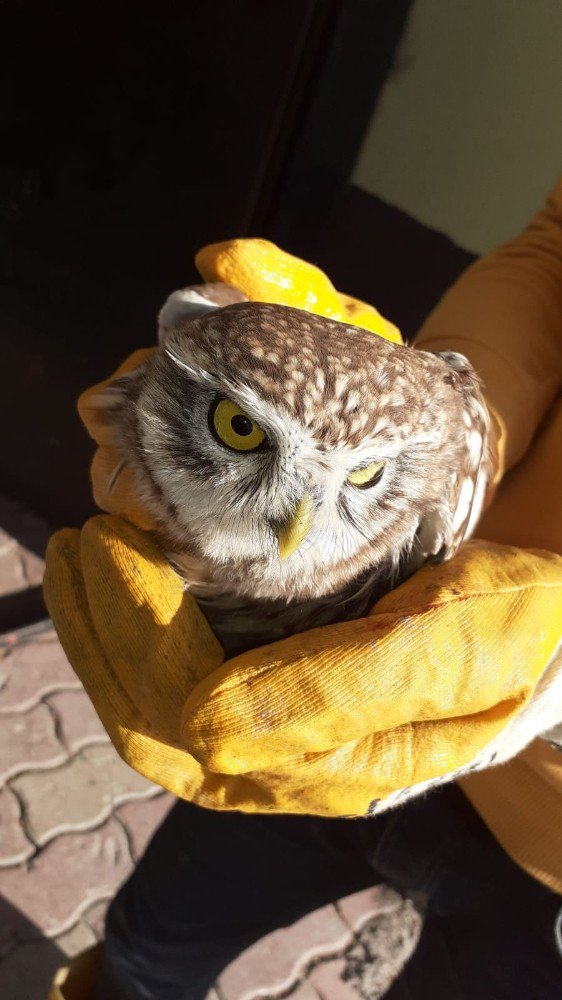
{"x": 324, "y": 722}
{"x": 341, "y": 720}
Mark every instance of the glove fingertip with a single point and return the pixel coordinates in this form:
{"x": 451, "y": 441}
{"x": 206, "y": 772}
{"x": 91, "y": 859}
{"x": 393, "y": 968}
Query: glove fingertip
{"x": 62, "y": 559}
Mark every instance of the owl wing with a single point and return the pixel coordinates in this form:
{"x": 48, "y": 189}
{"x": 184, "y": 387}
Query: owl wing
{"x": 442, "y": 530}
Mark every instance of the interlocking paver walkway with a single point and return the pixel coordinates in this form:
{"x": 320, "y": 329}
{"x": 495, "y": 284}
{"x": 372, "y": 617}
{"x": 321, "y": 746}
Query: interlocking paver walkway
{"x": 74, "y": 818}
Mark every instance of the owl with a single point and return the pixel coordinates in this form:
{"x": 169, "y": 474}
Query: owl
{"x": 297, "y": 468}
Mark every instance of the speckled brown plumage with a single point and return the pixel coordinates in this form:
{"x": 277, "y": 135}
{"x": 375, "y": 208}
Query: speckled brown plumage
{"x": 330, "y": 398}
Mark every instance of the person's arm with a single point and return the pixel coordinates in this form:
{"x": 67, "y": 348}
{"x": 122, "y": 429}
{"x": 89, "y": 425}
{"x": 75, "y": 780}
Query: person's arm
{"x": 505, "y": 314}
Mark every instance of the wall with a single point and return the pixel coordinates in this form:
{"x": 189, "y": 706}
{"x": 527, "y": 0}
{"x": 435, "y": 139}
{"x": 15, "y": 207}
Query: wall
{"x": 467, "y": 137}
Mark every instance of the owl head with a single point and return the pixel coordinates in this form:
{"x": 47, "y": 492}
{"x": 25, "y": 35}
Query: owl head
{"x": 289, "y": 453}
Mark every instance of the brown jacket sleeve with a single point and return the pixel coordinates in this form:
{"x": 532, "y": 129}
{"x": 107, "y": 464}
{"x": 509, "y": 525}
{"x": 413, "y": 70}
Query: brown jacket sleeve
{"x": 505, "y": 314}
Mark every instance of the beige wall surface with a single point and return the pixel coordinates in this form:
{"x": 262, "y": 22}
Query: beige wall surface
{"x": 467, "y": 136}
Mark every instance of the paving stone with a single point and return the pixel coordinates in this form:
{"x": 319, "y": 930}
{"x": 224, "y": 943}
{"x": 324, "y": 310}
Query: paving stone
{"x": 362, "y": 906}
{"x": 94, "y": 916}
{"x": 30, "y": 530}
{"x": 142, "y": 818}
{"x": 79, "y": 724}
{"x": 27, "y": 973}
{"x": 79, "y": 795}
{"x": 33, "y": 567}
{"x": 273, "y": 964}
{"x": 14, "y": 845}
{"x": 23, "y": 539}
{"x": 29, "y": 741}
{"x": 77, "y": 939}
{"x": 50, "y": 894}
{"x": 12, "y": 573}
{"x": 304, "y": 991}
{"x": 32, "y": 669}
{"x": 381, "y": 949}
{"x": 326, "y": 979}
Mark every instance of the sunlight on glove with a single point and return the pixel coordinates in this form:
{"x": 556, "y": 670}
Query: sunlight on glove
{"x": 324, "y": 722}
{"x": 267, "y": 274}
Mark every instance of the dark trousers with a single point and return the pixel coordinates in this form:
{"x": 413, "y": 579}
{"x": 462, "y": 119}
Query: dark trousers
{"x": 211, "y": 883}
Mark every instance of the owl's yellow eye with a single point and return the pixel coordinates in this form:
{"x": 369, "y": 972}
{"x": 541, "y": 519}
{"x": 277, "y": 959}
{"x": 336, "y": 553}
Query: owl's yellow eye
{"x": 367, "y": 475}
{"x": 234, "y": 428}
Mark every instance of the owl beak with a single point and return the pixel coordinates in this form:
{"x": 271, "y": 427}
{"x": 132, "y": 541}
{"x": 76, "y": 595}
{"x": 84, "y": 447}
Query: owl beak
{"x": 294, "y": 531}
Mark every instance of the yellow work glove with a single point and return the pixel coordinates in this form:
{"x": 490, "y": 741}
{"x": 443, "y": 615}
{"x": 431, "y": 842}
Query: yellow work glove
{"x": 325, "y": 722}
{"x": 267, "y": 274}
